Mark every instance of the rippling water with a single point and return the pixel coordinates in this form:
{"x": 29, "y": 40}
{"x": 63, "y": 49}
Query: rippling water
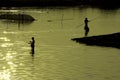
{"x": 56, "y": 56}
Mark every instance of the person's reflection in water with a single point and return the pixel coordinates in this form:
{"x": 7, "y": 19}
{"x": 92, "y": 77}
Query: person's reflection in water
{"x": 32, "y": 44}
{"x": 86, "y": 28}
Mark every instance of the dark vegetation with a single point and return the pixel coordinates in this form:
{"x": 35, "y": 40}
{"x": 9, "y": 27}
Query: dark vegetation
{"x": 43, "y": 3}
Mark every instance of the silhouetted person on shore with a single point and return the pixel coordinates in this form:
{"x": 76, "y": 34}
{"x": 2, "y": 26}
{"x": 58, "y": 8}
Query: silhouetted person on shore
{"x": 32, "y": 44}
{"x": 86, "y": 28}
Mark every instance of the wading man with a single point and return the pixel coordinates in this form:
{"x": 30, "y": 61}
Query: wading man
{"x": 86, "y": 28}
{"x": 32, "y": 44}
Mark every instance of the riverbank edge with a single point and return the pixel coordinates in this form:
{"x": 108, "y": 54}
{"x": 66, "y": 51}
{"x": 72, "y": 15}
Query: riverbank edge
{"x": 108, "y": 40}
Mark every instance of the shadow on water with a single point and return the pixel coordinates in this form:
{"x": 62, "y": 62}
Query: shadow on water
{"x": 19, "y": 23}
{"x": 32, "y": 52}
{"x": 16, "y": 21}
{"x": 16, "y": 18}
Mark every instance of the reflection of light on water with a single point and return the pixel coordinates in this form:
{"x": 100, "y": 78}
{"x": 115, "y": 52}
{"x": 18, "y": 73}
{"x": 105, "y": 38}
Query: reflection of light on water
{"x": 5, "y": 32}
{"x": 8, "y": 57}
{"x": 6, "y": 44}
{"x": 4, "y": 39}
{"x": 9, "y": 68}
{"x": 9, "y": 11}
{"x": 5, "y": 75}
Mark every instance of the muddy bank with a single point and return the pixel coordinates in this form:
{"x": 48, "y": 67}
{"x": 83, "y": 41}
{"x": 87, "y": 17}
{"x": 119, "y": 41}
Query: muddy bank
{"x": 108, "y": 40}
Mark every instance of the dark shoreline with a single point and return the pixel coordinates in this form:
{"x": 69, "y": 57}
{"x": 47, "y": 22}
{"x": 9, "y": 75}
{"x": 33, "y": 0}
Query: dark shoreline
{"x": 108, "y": 40}
{"x": 111, "y": 4}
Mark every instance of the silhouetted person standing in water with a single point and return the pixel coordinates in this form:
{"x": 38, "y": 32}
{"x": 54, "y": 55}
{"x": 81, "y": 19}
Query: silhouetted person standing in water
{"x": 86, "y": 28}
{"x": 32, "y": 44}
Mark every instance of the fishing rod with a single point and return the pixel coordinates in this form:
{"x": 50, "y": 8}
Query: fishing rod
{"x": 58, "y": 20}
{"x": 89, "y": 21}
{"x": 79, "y": 25}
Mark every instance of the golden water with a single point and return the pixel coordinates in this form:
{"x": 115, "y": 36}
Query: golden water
{"x": 57, "y": 57}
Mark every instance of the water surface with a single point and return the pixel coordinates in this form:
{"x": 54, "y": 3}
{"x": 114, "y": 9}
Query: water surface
{"x": 57, "y": 57}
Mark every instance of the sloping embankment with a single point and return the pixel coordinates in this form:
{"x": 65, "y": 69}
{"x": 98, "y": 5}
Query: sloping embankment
{"x": 109, "y": 40}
